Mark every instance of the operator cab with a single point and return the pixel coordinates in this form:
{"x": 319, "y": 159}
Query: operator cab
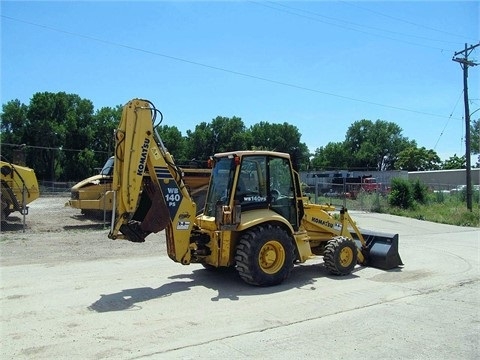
{"x": 254, "y": 180}
{"x": 107, "y": 169}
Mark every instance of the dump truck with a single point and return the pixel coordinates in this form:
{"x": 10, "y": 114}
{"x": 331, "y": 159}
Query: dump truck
{"x": 255, "y": 219}
{"x": 19, "y": 187}
{"x": 94, "y": 196}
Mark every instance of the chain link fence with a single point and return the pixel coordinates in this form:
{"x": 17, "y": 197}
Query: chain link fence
{"x": 55, "y": 188}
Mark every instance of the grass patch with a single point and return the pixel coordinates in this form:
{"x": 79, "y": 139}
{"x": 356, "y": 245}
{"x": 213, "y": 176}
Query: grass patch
{"x": 452, "y": 213}
{"x": 443, "y": 208}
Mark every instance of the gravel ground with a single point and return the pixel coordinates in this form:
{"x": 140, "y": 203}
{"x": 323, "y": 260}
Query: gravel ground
{"x": 55, "y": 233}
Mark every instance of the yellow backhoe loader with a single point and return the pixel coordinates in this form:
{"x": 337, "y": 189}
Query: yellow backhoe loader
{"x": 19, "y": 187}
{"x": 255, "y": 217}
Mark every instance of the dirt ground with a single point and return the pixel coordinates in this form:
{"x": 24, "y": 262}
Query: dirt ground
{"x": 56, "y": 233}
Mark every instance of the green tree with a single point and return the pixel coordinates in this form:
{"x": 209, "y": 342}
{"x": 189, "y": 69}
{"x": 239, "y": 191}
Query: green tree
{"x": 93, "y": 141}
{"x": 331, "y": 156}
{"x": 105, "y": 121}
{"x": 228, "y": 134}
{"x": 475, "y": 139}
{"x": 417, "y": 159}
{"x": 274, "y": 137}
{"x": 220, "y": 135}
{"x": 79, "y": 146}
{"x": 454, "y": 162}
{"x": 282, "y": 138}
{"x": 64, "y": 139}
{"x": 198, "y": 142}
{"x": 174, "y": 141}
{"x": 13, "y": 127}
{"x": 302, "y": 156}
{"x": 48, "y": 126}
{"x": 475, "y": 136}
{"x": 375, "y": 145}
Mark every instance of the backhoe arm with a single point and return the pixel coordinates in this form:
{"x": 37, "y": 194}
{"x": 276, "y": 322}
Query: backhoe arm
{"x": 150, "y": 195}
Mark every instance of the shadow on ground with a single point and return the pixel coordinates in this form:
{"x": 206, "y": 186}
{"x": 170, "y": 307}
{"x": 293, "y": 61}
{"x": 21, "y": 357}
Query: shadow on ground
{"x": 13, "y": 223}
{"x": 227, "y": 284}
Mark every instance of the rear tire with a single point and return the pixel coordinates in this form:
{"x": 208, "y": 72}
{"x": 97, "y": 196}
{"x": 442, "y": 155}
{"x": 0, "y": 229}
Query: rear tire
{"x": 340, "y": 256}
{"x": 265, "y": 256}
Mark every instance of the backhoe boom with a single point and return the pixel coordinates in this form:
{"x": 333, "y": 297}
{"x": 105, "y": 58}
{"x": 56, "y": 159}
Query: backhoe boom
{"x": 148, "y": 204}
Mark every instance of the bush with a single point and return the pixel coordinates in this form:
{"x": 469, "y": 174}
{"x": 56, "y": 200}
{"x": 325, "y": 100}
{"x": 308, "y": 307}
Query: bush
{"x": 469, "y": 219}
{"x": 438, "y": 197}
{"x": 401, "y": 194}
{"x": 420, "y": 191}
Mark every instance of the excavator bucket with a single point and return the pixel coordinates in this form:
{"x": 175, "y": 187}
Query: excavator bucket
{"x": 381, "y": 250}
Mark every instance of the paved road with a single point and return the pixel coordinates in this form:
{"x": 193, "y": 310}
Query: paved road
{"x": 152, "y": 308}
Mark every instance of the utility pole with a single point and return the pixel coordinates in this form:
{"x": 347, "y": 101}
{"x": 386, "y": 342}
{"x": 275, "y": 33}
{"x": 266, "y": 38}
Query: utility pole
{"x": 465, "y": 63}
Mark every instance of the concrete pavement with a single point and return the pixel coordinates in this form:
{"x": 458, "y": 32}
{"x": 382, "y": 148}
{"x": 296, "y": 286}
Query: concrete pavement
{"x": 150, "y": 307}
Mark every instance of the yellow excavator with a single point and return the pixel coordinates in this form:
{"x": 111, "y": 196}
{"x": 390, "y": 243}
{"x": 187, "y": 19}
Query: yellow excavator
{"x": 19, "y": 187}
{"x": 94, "y": 196}
{"x": 255, "y": 217}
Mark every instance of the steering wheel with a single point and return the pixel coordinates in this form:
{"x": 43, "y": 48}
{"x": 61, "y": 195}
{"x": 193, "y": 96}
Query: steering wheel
{"x": 275, "y": 194}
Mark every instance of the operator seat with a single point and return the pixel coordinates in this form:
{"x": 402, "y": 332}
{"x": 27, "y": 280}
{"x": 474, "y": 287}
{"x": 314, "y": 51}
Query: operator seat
{"x": 241, "y": 189}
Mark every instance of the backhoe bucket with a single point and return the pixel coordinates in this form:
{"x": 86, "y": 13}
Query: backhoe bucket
{"x": 158, "y": 216}
{"x": 152, "y": 215}
{"x": 381, "y": 250}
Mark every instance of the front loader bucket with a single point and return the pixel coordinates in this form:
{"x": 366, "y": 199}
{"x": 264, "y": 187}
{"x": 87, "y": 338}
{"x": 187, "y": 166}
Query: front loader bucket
{"x": 381, "y": 250}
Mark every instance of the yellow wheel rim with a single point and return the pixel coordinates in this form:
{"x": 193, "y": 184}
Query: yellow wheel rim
{"x": 271, "y": 257}
{"x": 346, "y": 256}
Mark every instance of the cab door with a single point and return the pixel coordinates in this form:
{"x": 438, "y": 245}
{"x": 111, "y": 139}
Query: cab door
{"x": 282, "y": 189}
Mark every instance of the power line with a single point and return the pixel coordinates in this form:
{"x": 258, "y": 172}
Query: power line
{"x": 50, "y": 148}
{"x": 402, "y": 20}
{"x": 217, "y": 68}
{"x": 276, "y": 6}
{"x": 448, "y": 120}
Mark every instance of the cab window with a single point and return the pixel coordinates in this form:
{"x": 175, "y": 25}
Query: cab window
{"x": 251, "y": 186}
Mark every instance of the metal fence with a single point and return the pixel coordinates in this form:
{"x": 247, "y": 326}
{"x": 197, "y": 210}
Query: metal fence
{"x": 374, "y": 201}
{"x": 49, "y": 188}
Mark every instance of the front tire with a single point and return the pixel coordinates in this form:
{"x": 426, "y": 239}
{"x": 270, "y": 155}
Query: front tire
{"x": 265, "y": 255}
{"x": 340, "y": 256}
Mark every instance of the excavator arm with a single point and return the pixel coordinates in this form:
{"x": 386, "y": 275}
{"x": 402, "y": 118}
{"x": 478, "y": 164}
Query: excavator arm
{"x": 149, "y": 192}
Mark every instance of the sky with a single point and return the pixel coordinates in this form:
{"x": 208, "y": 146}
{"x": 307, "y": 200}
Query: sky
{"x": 317, "y": 65}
